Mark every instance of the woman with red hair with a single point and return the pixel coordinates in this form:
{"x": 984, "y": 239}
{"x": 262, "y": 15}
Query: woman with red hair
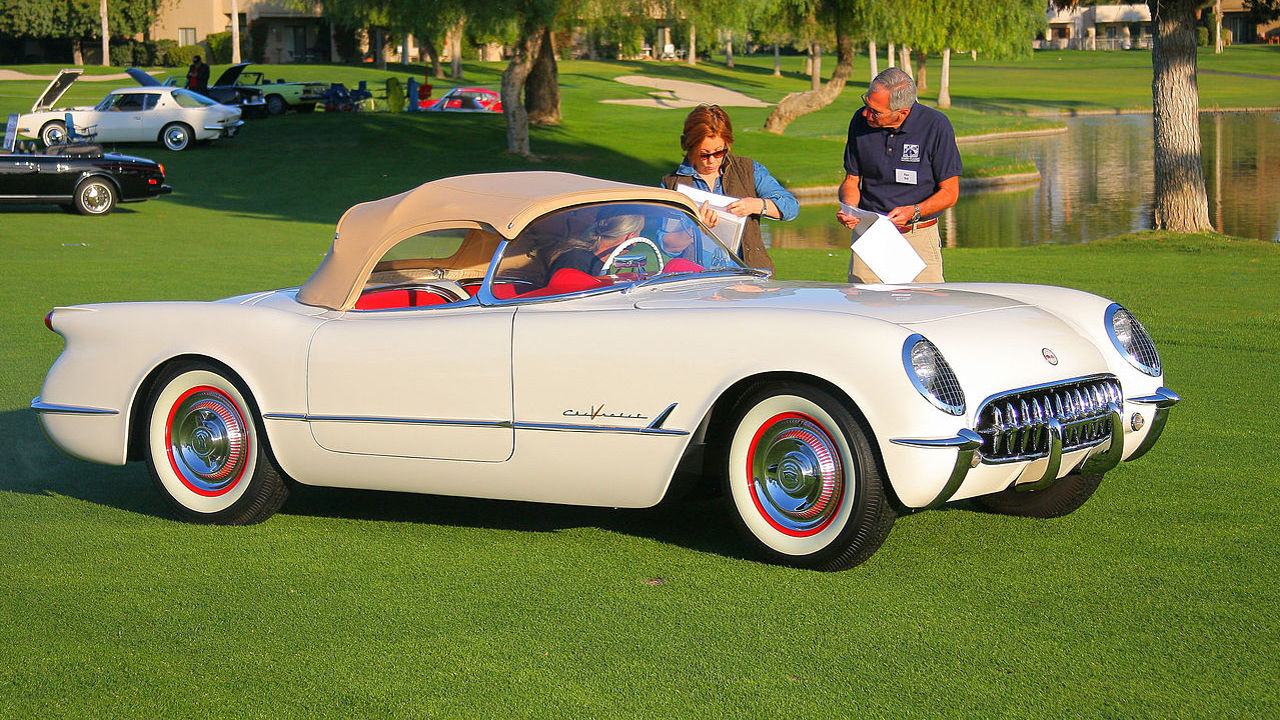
{"x": 709, "y": 165}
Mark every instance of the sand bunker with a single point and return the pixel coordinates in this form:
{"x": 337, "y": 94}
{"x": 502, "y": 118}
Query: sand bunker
{"x": 15, "y": 75}
{"x": 673, "y": 94}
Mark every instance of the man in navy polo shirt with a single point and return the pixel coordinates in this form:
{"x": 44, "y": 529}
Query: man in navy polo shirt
{"x": 901, "y": 160}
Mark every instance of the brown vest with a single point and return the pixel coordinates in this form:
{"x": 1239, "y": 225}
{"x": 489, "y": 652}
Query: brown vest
{"x": 737, "y": 178}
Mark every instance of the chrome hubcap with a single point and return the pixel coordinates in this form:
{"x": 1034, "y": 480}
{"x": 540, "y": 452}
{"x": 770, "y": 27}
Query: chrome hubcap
{"x": 796, "y": 475}
{"x": 208, "y": 445}
{"x": 96, "y": 198}
{"x": 175, "y": 137}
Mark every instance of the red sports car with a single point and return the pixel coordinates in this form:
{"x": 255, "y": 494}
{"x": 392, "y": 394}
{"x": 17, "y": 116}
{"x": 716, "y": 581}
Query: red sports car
{"x": 468, "y": 99}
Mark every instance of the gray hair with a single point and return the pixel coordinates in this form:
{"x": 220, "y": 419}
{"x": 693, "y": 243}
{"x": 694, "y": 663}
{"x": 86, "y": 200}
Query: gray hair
{"x": 902, "y": 89}
{"x": 617, "y": 225}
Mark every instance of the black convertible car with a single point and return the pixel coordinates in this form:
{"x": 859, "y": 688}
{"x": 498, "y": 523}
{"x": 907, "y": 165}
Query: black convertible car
{"x": 79, "y": 176}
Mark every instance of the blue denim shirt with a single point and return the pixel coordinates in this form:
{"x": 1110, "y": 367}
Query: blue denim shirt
{"x": 766, "y": 187}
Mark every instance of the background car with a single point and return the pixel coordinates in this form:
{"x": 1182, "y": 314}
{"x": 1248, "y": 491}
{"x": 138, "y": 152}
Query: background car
{"x": 280, "y": 96}
{"x": 80, "y": 177}
{"x": 555, "y": 338}
{"x": 249, "y": 100}
{"x": 171, "y": 116}
{"x": 468, "y": 100}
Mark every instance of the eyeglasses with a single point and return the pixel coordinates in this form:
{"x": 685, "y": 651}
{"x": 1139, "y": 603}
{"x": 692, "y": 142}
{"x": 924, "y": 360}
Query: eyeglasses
{"x": 876, "y": 113}
{"x": 717, "y": 155}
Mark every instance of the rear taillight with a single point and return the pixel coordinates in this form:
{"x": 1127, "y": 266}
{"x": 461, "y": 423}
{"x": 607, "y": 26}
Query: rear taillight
{"x": 161, "y": 170}
{"x": 48, "y": 320}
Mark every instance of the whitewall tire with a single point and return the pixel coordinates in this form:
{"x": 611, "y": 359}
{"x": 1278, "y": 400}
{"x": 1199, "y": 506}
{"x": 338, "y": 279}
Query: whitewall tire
{"x": 802, "y": 479}
{"x": 206, "y": 450}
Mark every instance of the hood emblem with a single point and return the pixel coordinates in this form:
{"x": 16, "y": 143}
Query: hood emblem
{"x": 1049, "y": 356}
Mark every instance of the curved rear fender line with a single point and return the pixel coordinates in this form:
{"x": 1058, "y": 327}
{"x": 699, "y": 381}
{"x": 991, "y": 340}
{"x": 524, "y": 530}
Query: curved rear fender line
{"x": 99, "y": 174}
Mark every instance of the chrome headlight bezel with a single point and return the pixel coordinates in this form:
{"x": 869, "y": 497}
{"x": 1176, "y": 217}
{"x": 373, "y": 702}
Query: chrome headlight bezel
{"x": 1132, "y": 340}
{"x": 932, "y": 375}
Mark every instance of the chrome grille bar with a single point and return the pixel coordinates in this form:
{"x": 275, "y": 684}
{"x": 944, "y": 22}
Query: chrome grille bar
{"x": 1015, "y": 426}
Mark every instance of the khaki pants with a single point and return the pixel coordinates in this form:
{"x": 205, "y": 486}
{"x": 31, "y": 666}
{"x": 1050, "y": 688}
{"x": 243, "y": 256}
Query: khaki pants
{"x": 925, "y": 241}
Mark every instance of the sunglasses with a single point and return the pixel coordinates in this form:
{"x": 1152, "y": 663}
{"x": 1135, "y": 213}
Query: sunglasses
{"x": 717, "y": 155}
{"x": 875, "y": 112}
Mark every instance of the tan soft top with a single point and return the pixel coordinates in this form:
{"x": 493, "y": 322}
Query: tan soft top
{"x": 503, "y": 202}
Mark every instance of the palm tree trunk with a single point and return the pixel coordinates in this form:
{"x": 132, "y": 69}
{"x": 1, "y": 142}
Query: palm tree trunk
{"x": 692, "y": 57}
{"x": 1180, "y": 203}
{"x": 944, "y": 84}
{"x": 875, "y": 61}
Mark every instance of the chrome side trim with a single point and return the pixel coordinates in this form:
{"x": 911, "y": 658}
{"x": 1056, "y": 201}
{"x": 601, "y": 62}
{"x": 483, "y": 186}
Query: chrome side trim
{"x": 1163, "y": 399}
{"x": 386, "y": 420}
{"x": 662, "y": 417}
{"x": 44, "y": 407}
{"x": 966, "y": 442}
{"x": 651, "y": 429}
{"x": 560, "y": 427}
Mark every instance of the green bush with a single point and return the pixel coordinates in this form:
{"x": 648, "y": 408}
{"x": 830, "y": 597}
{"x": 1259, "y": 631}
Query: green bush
{"x": 160, "y": 50}
{"x": 1202, "y": 36}
{"x": 219, "y": 47}
{"x": 182, "y": 55}
{"x": 122, "y": 53}
{"x": 258, "y": 36}
{"x": 395, "y": 95}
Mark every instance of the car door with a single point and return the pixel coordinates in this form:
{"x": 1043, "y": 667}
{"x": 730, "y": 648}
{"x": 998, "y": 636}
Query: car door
{"x": 19, "y": 175}
{"x": 121, "y": 119}
{"x": 417, "y": 383}
{"x": 419, "y": 369}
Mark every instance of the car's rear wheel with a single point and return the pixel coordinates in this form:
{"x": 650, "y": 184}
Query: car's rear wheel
{"x": 207, "y": 451}
{"x": 802, "y": 479}
{"x": 176, "y": 136}
{"x": 95, "y": 196}
{"x": 54, "y": 132}
{"x": 276, "y": 105}
{"x": 1063, "y": 497}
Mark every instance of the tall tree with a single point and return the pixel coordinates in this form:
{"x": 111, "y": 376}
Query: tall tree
{"x": 1180, "y": 203}
{"x": 998, "y": 28}
{"x": 844, "y": 16}
{"x": 77, "y": 20}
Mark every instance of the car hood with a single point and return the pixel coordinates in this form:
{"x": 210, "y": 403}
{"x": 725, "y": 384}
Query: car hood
{"x": 898, "y": 304}
{"x": 231, "y": 74}
{"x": 57, "y": 87}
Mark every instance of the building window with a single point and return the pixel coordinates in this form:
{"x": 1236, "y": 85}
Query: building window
{"x": 186, "y": 36}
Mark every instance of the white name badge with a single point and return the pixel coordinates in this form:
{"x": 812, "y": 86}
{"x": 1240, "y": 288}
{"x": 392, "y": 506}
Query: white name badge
{"x": 906, "y": 177}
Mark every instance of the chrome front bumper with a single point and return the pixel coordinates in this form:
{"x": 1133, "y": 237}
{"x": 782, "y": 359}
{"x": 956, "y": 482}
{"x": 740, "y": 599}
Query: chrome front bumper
{"x": 1103, "y": 455}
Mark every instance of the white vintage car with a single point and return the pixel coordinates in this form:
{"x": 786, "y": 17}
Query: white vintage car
{"x": 173, "y": 117}
{"x": 555, "y": 338}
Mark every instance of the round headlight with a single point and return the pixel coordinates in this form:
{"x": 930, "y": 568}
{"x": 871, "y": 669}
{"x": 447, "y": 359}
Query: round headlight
{"x": 932, "y": 376}
{"x": 1132, "y": 340}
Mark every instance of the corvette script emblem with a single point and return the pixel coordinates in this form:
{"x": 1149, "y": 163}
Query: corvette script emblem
{"x": 1049, "y": 356}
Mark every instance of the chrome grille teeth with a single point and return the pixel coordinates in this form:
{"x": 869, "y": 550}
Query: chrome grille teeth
{"x": 1016, "y": 427}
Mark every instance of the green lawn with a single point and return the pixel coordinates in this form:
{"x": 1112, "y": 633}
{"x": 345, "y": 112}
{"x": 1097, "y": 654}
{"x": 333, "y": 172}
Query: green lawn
{"x": 1157, "y": 599}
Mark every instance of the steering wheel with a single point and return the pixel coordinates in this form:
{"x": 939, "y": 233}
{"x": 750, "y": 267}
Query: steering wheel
{"x": 628, "y": 244}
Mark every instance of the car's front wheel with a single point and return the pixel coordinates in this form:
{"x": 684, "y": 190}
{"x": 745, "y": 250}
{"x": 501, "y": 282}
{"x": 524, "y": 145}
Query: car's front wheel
{"x": 276, "y": 105}
{"x": 53, "y": 133}
{"x": 95, "y": 196}
{"x": 206, "y": 450}
{"x": 176, "y": 136}
{"x": 802, "y": 479}
{"x": 1063, "y": 497}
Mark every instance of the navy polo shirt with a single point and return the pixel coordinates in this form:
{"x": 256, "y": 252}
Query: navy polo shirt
{"x": 901, "y": 166}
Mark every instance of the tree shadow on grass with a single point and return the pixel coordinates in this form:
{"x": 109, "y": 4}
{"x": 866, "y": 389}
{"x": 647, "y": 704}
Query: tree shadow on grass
{"x": 33, "y": 466}
{"x": 356, "y": 157}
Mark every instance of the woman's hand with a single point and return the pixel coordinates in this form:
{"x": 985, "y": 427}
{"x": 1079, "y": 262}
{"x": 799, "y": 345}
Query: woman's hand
{"x": 709, "y": 216}
{"x": 749, "y": 206}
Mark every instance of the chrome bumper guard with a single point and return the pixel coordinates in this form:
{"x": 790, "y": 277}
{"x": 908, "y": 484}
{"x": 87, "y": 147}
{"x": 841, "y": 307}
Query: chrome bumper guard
{"x": 1107, "y": 452}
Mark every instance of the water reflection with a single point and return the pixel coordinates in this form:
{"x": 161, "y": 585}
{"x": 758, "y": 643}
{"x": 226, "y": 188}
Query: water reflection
{"x": 1096, "y": 182}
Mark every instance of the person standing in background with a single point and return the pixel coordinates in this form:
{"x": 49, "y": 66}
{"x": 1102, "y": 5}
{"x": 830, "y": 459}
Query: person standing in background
{"x": 901, "y": 161}
{"x": 708, "y": 165}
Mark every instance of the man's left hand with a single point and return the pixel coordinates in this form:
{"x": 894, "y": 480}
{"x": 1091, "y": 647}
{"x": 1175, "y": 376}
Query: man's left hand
{"x": 901, "y": 216}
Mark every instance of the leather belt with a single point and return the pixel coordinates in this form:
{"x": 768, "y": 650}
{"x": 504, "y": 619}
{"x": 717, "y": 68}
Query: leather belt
{"x": 912, "y": 227}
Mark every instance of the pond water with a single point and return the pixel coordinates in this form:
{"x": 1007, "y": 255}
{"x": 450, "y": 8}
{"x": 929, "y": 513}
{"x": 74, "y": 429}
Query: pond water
{"x": 1096, "y": 181}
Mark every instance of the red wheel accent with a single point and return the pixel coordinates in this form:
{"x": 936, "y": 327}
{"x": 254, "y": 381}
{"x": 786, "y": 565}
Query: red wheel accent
{"x": 209, "y": 454}
{"x": 801, "y": 477}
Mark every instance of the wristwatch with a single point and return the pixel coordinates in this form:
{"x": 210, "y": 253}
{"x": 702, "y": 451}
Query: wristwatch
{"x": 915, "y": 217}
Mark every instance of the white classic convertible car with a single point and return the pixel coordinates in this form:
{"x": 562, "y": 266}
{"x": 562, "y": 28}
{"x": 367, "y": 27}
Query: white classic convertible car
{"x": 173, "y": 117}
{"x": 556, "y": 338}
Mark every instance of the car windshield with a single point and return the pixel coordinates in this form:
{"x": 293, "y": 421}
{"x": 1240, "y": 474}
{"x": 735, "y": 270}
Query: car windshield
{"x": 608, "y": 245}
{"x": 188, "y": 99}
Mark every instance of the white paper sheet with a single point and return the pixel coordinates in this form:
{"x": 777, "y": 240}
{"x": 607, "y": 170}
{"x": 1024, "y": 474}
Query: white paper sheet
{"x": 729, "y": 229}
{"x": 877, "y": 241}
